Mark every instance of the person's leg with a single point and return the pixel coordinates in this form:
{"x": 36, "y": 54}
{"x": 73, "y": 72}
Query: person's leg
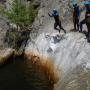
{"x": 75, "y": 26}
{"x": 74, "y": 23}
{"x": 81, "y": 24}
{"x": 88, "y": 33}
{"x": 88, "y": 25}
{"x": 60, "y": 26}
{"x": 78, "y": 24}
{"x": 55, "y": 25}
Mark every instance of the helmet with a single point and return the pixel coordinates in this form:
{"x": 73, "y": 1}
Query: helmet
{"x": 85, "y": 2}
{"x": 75, "y": 5}
{"x": 54, "y": 10}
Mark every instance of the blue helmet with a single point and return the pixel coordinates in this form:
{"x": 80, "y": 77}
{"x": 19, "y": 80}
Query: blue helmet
{"x": 55, "y": 11}
{"x": 74, "y": 5}
{"x": 85, "y": 2}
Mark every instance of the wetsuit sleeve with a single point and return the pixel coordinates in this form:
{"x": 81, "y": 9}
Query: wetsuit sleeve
{"x": 78, "y": 12}
{"x": 51, "y": 15}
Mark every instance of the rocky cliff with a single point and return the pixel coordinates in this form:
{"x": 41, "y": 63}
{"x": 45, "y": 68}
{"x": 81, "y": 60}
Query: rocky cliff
{"x": 46, "y": 7}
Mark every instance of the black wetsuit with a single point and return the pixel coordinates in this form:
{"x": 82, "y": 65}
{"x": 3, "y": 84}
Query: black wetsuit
{"x": 87, "y": 19}
{"x": 76, "y": 18}
{"x": 57, "y": 22}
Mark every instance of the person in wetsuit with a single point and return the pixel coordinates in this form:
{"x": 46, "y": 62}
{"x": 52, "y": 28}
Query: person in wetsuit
{"x": 55, "y": 14}
{"x": 76, "y": 14}
{"x": 85, "y": 4}
{"x": 87, "y": 19}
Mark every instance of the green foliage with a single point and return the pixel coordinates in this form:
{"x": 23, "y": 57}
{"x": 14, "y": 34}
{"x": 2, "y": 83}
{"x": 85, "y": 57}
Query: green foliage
{"x": 21, "y": 14}
{"x": 31, "y": 15}
{"x": 16, "y": 38}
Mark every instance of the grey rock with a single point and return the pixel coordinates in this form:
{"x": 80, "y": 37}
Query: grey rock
{"x": 71, "y": 56}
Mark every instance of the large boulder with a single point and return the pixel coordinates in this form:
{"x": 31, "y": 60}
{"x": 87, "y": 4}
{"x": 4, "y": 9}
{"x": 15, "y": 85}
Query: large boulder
{"x": 71, "y": 56}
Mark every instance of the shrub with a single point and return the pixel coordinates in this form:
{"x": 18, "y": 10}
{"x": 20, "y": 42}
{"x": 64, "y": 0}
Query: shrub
{"x": 21, "y": 14}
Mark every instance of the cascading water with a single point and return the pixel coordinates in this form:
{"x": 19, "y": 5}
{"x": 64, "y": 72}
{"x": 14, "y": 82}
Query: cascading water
{"x": 71, "y": 55}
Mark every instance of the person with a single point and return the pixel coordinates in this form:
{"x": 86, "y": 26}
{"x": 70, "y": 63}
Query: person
{"x": 55, "y": 14}
{"x": 87, "y": 18}
{"x": 76, "y": 14}
{"x": 81, "y": 25}
{"x": 84, "y": 4}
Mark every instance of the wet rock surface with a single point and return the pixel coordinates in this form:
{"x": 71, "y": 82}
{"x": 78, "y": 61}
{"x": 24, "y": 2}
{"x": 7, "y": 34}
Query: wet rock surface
{"x": 5, "y": 54}
{"x": 71, "y": 55}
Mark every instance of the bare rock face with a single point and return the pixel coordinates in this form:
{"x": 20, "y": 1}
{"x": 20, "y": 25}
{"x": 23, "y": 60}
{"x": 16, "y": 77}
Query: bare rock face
{"x": 5, "y": 54}
{"x": 3, "y": 25}
{"x": 3, "y": 30}
{"x": 36, "y": 3}
{"x": 47, "y": 6}
{"x": 2, "y": 1}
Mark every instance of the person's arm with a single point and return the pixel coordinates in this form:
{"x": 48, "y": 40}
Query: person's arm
{"x": 82, "y": 7}
{"x": 78, "y": 12}
{"x": 50, "y": 15}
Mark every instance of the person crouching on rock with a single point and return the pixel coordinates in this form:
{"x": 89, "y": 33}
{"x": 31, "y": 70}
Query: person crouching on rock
{"x": 55, "y": 14}
{"x": 76, "y": 14}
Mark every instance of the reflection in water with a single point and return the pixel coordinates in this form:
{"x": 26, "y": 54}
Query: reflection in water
{"x": 17, "y": 75}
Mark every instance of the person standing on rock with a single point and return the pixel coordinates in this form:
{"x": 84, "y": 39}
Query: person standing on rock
{"x": 76, "y": 15}
{"x": 87, "y": 18}
{"x": 83, "y": 5}
{"x": 55, "y": 14}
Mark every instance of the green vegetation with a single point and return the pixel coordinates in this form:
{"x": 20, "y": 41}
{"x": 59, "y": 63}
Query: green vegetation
{"x": 16, "y": 38}
{"x": 21, "y": 14}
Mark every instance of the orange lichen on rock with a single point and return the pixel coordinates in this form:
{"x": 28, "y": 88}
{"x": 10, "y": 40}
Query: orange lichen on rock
{"x": 43, "y": 65}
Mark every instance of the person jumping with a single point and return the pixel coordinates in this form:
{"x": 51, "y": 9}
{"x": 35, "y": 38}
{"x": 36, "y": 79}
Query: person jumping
{"x": 55, "y": 14}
